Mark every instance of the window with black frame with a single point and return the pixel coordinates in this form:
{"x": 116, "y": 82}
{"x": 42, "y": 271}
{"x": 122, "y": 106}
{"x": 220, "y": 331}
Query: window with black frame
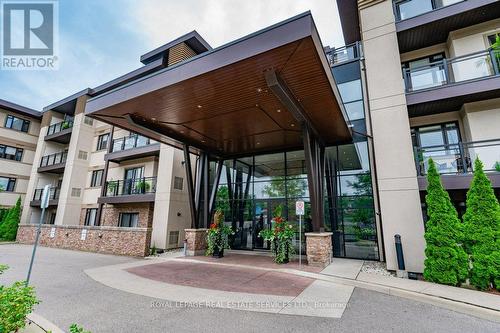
{"x": 96, "y": 179}
{"x": 129, "y": 220}
{"x": 102, "y": 141}
{"x": 7, "y": 184}
{"x": 90, "y": 216}
{"x": 442, "y": 143}
{"x": 11, "y": 153}
{"x": 426, "y": 72}
{"x": 17, "y": 124}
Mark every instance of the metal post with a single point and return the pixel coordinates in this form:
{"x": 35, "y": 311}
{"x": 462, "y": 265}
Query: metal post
{"x": 446, "y": 71}
{"x": 43, "y": 204}
{"x": 300, "y": 241}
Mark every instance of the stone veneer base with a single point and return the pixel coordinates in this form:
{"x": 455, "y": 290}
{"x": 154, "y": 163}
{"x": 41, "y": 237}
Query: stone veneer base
{"x": 196, "y": 240}
{"x": 319, "y": 248}
{"x": 110, "y": 240}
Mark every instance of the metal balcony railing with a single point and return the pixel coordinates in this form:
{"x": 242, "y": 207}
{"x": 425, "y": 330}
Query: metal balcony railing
{"x": 405, "y": 9}
{"x": 53, "y": 159}
{"x": 58, "y": 127}
{"x": 345, "y": 53}
{"x": 129, "y": 142}
{"x": 135, "y": 186}
{"x": 472, "y": 66}
{"x": 458, "y": 158}
{"x": 54, "y": 193}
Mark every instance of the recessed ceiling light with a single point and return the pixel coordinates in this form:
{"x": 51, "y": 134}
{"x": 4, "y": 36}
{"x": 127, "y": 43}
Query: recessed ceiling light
{"x": 293, "y": 125}
{"x": 258, "y": 143}
{"x": 154, "y": 119}
{"x": 182, "y": 132}
{"x": 199, "y": 106}
{"x": 279, "y": 110}
{"x": 259, "y": 90}
{"x": 203, "y": 141}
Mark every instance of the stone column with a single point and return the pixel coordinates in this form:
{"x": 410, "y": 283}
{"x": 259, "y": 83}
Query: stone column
{"x": 318, "y": 248}
{"x": 196, "y": 241}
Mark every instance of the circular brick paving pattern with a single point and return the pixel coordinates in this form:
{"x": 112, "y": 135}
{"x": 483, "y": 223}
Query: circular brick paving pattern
{"x": 224, "y": 278}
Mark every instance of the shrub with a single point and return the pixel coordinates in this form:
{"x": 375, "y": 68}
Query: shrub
{"x": 446, "y": 260}
{"x": 8, "y": 228}
{"x": 16, "y": 302}
{"x": 74, "y": 328}
{"x": 482, "y": 226}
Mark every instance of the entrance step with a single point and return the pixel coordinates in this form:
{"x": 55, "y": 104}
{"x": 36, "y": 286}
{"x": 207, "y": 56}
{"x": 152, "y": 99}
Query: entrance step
{"x": 345, "y": 268}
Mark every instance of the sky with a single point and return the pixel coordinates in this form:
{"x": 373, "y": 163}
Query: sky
{"x": 100, "y": 40}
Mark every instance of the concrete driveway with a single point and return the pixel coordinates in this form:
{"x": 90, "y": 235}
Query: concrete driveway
{"x": 69, "y": 296}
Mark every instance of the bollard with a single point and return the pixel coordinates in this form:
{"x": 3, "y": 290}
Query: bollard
{"x": 185, "y": 247}
{"x": 399, "y": 252}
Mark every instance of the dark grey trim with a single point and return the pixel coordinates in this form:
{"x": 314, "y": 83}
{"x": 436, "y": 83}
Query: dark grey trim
{"x": 459, "y": 182}
{"x": 37, "y": 203}
{"x": 133, "y": 198}
{"x": 16, "y": 108}
{"x": 63, "y": 136}
{"x": 129, "y": 154}
{"x": 441, "y": 13}
{"x": 67, "y": 105}
{"x": 54, "y": 168}
{"x": 192, "y": 39}
{"x": 349, "y": 19}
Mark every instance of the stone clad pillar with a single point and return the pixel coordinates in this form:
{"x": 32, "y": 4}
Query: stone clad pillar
{"x": 196, "y": 241}
{"x": 318, "y": 248}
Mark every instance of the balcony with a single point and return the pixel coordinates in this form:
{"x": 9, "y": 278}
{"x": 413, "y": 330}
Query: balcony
{"x": 53, "y": 163}
{"x": 422, "y": 23}
{"x": 455, "y": 162}
{"x": 53, "y": 197}
{"x": 447, "y": 84}
{"x": 60, "y": 132}
{"x": 344, "y": 54}
{"x": 131, "y": 147}
{"x": 129, "y": 190}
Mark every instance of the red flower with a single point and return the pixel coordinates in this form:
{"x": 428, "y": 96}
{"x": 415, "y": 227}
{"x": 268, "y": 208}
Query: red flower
{"x": 213, "y": 226}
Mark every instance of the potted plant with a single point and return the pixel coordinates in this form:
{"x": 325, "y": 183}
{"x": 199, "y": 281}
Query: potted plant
{"x": 280, "y": 236}
{"x": 218, "y": 236}
{"x": 112, "y": 186}
{"x": 142, "y": 186}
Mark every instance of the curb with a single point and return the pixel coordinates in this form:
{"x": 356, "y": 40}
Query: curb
{"x": 43, "y": 323}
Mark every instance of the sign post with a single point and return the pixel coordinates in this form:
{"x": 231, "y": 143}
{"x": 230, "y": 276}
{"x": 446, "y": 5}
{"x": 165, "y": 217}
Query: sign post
{"x": 44, "y": 203}
{"x": 299, "y": 210}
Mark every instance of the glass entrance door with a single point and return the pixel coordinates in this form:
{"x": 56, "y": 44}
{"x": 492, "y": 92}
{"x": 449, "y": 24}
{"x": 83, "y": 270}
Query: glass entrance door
{"x": 132, "y": 177}
{"x": 263, "y": 215}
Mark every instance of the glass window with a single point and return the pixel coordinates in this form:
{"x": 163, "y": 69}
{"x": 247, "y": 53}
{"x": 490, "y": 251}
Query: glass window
{"x": 350, "y": 91}
{"x": 17, "y": 124}
{"x": 96, "y": 179}
{"x": 90, "y": 216}
{"x": 355, "y": 110}
{"x": 7, "y": 184}
{"x": 129, "y": 220}
{"x": 11, "y": 153}
{"x": 102, "y": 141}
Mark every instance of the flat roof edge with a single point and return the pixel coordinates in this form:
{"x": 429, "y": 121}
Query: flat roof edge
{"x": 86, "y": 91}
{"x": 13, "y": 107}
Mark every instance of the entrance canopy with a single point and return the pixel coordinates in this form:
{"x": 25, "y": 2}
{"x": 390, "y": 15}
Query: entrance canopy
{"x": 250, "y": 96}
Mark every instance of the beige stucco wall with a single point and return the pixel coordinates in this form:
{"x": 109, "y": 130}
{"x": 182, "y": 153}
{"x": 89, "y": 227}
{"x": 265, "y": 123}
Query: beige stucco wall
{"x": 397, "y": 183}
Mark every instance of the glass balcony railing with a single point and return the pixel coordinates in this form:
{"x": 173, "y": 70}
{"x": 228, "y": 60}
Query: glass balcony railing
{"x": 135, "y": 186}
{"x": 459, "y": 158}
{"x": 454, "y": 70}
{"x": 58, "y": 127}
{"x": 54, "y": 193}
{"x": 53, "y": 159}
{"x": 405, "y": 9}
{"x": 345, "y": 53}
{"x": 129, "y": 142}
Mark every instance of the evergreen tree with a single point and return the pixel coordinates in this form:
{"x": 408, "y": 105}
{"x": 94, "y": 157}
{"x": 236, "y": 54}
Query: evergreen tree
{"x": 446, "y": 260}
{"x": 8, "y": 228}
{"x": 482, "y": 226}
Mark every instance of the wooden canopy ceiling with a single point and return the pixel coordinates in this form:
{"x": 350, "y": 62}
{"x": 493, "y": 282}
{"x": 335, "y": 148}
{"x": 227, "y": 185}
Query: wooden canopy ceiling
{"x": 220, "y": 102}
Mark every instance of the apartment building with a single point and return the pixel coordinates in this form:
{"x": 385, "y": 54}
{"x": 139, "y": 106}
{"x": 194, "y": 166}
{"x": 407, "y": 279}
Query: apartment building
{"x": 433, "y": 90}
{"x": 110, "y": 188}
{"x": 275, "y": 117}
{"x": 19, "y": 129}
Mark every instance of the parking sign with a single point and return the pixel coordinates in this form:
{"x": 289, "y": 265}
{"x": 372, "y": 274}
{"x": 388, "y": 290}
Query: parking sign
{"x": 299, "y": 207}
